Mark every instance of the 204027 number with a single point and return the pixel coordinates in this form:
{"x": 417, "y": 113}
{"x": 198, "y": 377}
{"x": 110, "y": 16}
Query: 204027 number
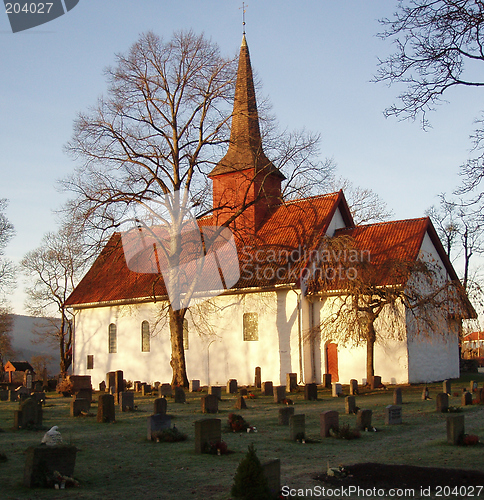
{"x": 458, "y": 491}
{"x": 28, "y": 8}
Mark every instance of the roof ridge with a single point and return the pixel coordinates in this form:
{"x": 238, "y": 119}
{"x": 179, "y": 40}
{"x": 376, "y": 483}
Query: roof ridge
{"x": 385, "y": 222}
{"x": 297, "y": 200}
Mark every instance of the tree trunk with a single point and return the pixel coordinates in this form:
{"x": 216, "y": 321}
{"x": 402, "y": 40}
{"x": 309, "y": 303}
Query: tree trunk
{"x": 177, "y": 362}
{"x": 370, "y": 353}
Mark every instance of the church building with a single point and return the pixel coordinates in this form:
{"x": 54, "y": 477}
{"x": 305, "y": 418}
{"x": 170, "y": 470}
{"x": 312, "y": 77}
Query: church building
{"x": 268, "y": 319}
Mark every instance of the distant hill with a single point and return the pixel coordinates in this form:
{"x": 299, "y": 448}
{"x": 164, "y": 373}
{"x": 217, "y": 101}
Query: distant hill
{"x": 22, "y": 337}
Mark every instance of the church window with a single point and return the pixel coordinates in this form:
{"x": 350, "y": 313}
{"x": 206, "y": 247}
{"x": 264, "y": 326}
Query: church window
{"x": 112, "y": 338}
{"x": 145, "y": 336}
{"x": 90, "y": 361}
{"x": 185, "y": 334}
{"x": 251, "y": 326}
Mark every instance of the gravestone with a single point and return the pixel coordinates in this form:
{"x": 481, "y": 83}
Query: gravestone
{"x": 209, "y": 403}
{"x": 272, "y": 472}
{"x": 353, "y": 387}
{"x": 375, "y": 382}
{"x": 455, "y": 429}
{"x": 145, "y": 389}
{"x": 157, "y": 384}
{"x": 12, "y": 396}
{"x": 110, "y": 380}
{"x": 215, "y": 390}
{"x": 279, "y": 394}
{"x": 240, "y": 403}
{"x": 84, "y": 394}
{"x": 157, "y": 423}
{"x": 79, "y": 406}
{"x": 297, "y": 427}
{"x": 473, "y": 386}
{"x": 164, "y": 390}
{"x": 328, "y": 420}
{"x": 106, "y": 412}
{"x": 447, "y": 387}
{"x": 194, "y": 386}
{"x": 311, "y": 392}
{"x": 397, "y": 396}
{"x": 160, "y": 406}
{"x": 180, "y": 395}
{"x": 42, "y": 461}
{"x": 231, "y": 386}
{"x": 425, "y": 394}
{"x": 393, "y": 415}
{"x": 258, "y": 379}
{"x": 137, "y": 385}
{"x": 102, "y": 386}
{"x": 243, "y": 391}
{"x": 350, "y": 405}
{"x": 118, "y": 381}
{"x": 327, "y": 380}
{"x": 284, "y": 414}
{"x": 126, "y": 401}
{"x": 442, "y": 402}
{"x": 207, "y": 431}
{"x": 267, "y": 389}
{"x": 28, "y": 379}
{"x": 337, "y": 390}
{"x": 363, "y": 420}
{"x": 291, "y": 382}
{"x": 28, "y": 415}
{"x": 466, "y": 399}
{"x": 112, "y": 390}
{"x": 3, "y": 395}
{"x": 38, "y": 386}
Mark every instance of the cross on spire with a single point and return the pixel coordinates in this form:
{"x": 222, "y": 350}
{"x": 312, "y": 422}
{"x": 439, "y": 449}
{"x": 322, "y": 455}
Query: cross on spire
{"x": 243, "y": 16}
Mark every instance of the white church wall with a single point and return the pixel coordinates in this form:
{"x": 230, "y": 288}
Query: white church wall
{"x": 217, "y": 351}
{"x": 337, "y": 222}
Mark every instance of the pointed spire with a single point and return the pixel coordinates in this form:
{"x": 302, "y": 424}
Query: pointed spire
{"x": 245, "y": 148}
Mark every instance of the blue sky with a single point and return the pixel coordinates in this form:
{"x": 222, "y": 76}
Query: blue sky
{"x": 315, "y": 60}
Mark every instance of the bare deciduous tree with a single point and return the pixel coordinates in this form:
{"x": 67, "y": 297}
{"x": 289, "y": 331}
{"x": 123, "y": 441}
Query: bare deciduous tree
{"x": 54, "y": 269}
{"x": 154, "y": 139}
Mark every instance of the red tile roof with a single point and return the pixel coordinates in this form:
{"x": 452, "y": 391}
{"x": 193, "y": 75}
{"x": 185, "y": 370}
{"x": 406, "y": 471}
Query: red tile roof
{"x": 294, "y": 224}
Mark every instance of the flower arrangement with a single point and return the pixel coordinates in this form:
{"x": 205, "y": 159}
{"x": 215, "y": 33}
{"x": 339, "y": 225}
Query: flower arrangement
{"x": 168, "y": 435}
{"x": 237, "y": 423}
{"x": 470, "y": 439}
{"x": 65, "y": 387}
{"x": 344, "y": 432}
{"x": 216, "y": 448}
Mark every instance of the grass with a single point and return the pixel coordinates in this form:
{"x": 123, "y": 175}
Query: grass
{"x": 117, "y": 461}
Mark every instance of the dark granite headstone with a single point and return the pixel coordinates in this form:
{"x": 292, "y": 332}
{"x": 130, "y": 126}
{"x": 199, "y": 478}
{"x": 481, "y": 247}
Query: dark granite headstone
{"x": 279, "y": 393}
{"x": 353, "y": 387}
{"x": 291, "y": 382}
{"x": 311, "y": 392}
{"x": 180, "y": 395}
{"x": 42, "y": 461}
{"x": 102, "y": 386}
{"x": 284, "y": 414}
{"x": 327, "y": 380}
{"x": 160, "y": 406}
{"x": 164, "y": 390}
{"x": 215, "y": 391}
{"x": 78, "y": 406}
{"x": 363, "y": 420}
{"x": 258, "y": 379}
{"x": 267, "y": 389}
{"x": 157, "y": 423}
{"x": 194, "y": 386}
{"x": 106, "y": 412}
{"x": 425, "y": 394}
{"x": 208, "y": 430}
{"x": 447, "y": 387}
{"x": 393, "y": 415}
{"x": 297, "y": 427}
{"x": 455, "y": 429}
{"x": 350, "y": 405}
{"x": 466, "y": 399}
{"x": 232, "y": 386}
{"x": 397, "y": 396}
{"x": 442, "y": 402}
{"x": 375, "y": 382}
{"x": 240, "y": 403}
{"x": 28, "y": 415}
{"x": 209, "y": 403}
{"x": 328, "y": 420}
{"x": 243, "y": 391}
{"x": 126, "y": 401}
{"x": 272, "y": 472}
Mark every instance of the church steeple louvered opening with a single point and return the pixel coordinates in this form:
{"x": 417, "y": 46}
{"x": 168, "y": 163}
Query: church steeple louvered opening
{"x": 245, "y": 176}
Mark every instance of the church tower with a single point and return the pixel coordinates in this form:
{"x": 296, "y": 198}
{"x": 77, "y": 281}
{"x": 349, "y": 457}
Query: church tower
{"x": 244, "y": 177}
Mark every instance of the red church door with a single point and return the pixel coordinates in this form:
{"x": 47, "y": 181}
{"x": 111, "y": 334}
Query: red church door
{"x": 332, "y": 361}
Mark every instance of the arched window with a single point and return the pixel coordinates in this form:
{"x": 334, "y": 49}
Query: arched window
{"x": 112, "y": 338}
{"x": 250, "y": 326}
{"x": 145, "y": 336}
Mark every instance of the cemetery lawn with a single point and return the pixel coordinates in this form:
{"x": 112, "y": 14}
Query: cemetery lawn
{"x": 116, "y": 461}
